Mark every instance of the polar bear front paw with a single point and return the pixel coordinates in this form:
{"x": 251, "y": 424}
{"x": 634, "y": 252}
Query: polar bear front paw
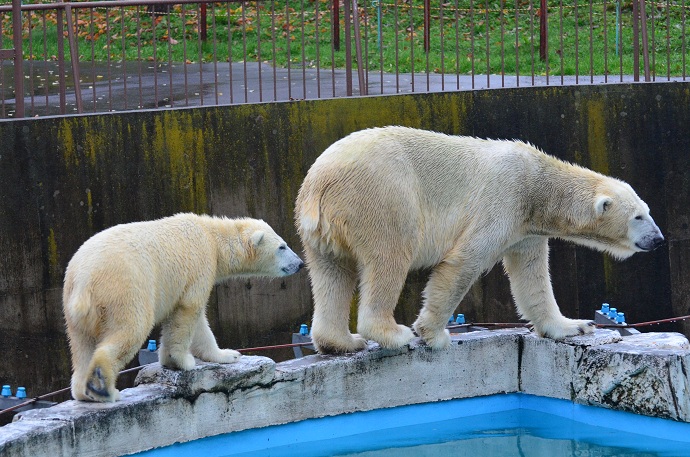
{"x": 224, "y": 356}
{"x": 392, "y": 337}
{"x": 563, "y": 327}
{"x": 326, "y": 345}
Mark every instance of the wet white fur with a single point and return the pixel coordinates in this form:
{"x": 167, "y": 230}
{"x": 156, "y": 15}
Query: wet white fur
{"x": 128, "y": 278}
{"x": 382, "y": 202}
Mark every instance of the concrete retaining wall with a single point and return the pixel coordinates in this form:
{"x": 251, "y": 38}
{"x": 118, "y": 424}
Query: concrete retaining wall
{"x": 64, "y": 179}
{"x": 645, "y": 374}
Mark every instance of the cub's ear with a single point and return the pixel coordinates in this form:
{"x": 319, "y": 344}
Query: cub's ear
{"x": 257, "y": 237}
{"x": 602, "y": 204}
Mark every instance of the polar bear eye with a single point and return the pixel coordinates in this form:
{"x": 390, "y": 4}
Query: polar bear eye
{"x": 282, "y": 247}
{"x": 639, "y": 218}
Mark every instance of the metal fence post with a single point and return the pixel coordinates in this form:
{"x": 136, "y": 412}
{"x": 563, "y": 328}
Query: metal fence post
{"x": 543, "y": 32}
{"x": 645, "y": 41}
{"x": 358, "y": 50}
{"x": 336, "y": 25}
{"x": 427, "y": 25}
{"x": 74, "y": 56}
{"x": 18, "y": 58}
{"x": 347, "y": 5}
{"x": 636, "y": 40}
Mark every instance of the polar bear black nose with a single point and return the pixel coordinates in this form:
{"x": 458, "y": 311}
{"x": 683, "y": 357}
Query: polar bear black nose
{"x": 300, "y": 266}
{"x": 658, "y": 241}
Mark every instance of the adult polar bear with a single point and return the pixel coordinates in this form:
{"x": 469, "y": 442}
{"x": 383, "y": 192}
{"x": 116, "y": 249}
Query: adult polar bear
{"x": 124, "y": 280}
{"x": 384, "y": 201}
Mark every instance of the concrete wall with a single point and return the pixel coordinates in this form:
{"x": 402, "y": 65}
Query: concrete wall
{"x": 64, "y": 179}
{"x": 644, "y": 374}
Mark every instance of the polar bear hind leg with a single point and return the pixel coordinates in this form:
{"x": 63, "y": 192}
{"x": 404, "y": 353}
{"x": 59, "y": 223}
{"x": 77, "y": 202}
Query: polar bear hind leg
{"x": 448, "y": 283}
{"x": 82, "y": 349}
{"x": 333, "y": 284}
{"x": 380, "y": 288}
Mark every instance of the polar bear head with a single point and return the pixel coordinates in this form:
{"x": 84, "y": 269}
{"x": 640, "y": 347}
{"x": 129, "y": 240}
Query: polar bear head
{"x": 620, "y": 223}
{"x": 255, "y": 249}
{"x": 271, "y": 255}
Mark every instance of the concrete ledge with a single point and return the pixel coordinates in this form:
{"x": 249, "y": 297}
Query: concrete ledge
{"x": 645, "y": 374}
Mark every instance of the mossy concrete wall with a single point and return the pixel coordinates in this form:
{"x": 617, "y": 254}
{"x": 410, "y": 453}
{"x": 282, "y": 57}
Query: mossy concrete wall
{"x": 64, "y": 179}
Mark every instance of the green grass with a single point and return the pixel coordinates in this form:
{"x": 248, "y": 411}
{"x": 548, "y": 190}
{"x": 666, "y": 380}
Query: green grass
{"x": 300, "y": 29}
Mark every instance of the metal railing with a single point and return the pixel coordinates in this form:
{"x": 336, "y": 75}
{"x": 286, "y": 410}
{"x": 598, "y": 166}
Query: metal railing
{"x": 99, "y": 56}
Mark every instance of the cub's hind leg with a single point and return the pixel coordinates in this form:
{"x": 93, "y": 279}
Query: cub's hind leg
{"x": 111, "y": 355}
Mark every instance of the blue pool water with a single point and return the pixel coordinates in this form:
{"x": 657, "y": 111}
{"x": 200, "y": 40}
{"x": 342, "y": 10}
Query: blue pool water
{"x": 499, "y": 425}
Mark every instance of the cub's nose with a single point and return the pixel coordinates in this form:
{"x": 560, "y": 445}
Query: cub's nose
{"x": 300, "y": 265}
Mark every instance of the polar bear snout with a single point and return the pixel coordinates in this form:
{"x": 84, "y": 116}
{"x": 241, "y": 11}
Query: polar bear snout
{"x": 293, "y": 268}
{"x": 647, "y": 235}
{"x": 291, "y": 263}
{"x": 651, "y": 243}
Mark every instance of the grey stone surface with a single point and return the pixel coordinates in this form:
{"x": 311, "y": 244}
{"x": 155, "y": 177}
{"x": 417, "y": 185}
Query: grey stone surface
{"x": 634, "y": 378}
{"x": 548, "y": 368}
{"x": 658, "y": 340}
{"x": 645, "y": 375}
{"x": 598, "y": 337}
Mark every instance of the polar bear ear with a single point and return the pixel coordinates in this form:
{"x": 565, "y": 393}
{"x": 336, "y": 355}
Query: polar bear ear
{"x": 602, "y": 204}
{"x": 257, "y": 237}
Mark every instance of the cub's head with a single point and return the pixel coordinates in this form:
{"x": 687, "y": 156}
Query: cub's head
{"x": 620, "y": 224}
{"x": 264, "y": 253}
{"x": 250, "y": 247}
{"x": 271, "y": 255}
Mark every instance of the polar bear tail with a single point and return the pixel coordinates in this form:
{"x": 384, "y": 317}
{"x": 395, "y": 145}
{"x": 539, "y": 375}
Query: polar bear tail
{"x": 309, "y": 215}
{"x": 78, "y": 308}
{"x": 312, "y": 224}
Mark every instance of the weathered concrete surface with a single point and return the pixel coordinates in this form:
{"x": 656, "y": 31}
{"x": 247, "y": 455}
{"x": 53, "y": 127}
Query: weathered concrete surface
{"x": 64, "y": 179}
{"x": 173, "y": 406}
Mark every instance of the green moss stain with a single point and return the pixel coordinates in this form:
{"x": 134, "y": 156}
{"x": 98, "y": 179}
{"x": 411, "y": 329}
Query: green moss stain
{"x": 178, "y": 146}
{"x": 66, "y": 142}
{"x": 578, "y": 156}
{"x": 596, "y": 137}
{"x": 89, "y": 208}
{"x": 52, "y": 249}
{"x": 199, "y": 170}
{"x": 53, "y": 259}
{"x": 95, "y": 139}
{"x": 609, "y": 275}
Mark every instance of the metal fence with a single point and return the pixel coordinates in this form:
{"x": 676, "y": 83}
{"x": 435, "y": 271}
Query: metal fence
{"x": 96, "y": 56}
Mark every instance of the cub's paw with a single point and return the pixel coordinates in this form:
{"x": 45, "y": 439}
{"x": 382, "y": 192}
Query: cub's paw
{"x": 180, "y": 362}
{"x": 354, "y": 343}
{"x": 563, "y": 327}
{"x": 225, "y": 356}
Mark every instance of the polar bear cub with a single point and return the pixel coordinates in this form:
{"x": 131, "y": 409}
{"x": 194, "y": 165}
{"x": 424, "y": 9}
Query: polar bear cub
{"x": 381, "y": 202}
{"x": 128, "y": 278}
